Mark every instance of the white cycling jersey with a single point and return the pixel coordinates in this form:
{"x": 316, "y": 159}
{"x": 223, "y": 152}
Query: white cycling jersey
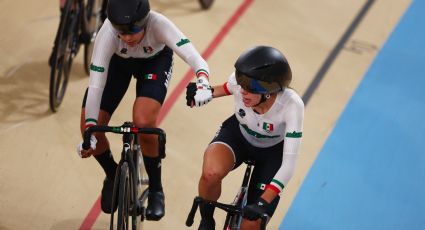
{"x": 283, "y": 121}
{"x": 159, "y": 32}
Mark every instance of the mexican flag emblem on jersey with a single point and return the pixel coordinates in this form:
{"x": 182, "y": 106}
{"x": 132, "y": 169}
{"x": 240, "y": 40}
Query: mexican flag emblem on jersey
{"x": 268, "y": 127}
{"x": 147, "y": 49}
{"x": 150, "y": 76}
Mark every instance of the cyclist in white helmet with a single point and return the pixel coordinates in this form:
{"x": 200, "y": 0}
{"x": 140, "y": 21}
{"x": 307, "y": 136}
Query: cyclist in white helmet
{"x": 266, "y": 127}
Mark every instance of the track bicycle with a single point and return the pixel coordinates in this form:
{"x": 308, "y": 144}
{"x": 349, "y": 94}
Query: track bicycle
{"x": 131, "y": 181}
{"x": 78, "y": 25}
{"x": 234, "y": 210}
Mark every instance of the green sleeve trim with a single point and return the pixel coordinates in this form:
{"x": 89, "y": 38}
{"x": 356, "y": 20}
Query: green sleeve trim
{"x": 97, "y": 68}
{"x": 182, "y": 42}
{"x": 91, "y": 120}
{"x": 278, "y": 183}
{"x": 294, "y": 134}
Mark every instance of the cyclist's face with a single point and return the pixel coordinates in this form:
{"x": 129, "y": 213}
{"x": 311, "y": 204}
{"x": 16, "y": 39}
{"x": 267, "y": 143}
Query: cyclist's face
{"x": 250, "y": 99}
{"x": 132, "y": 39}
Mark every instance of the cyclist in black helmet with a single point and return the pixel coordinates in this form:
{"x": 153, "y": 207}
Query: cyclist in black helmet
{"x": 266, "y": 127}
{"x": 136, "y": 41}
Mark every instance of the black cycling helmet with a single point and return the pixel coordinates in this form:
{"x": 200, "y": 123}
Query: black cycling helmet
{"x": 128, "y": 16}
{"x": 263, "y": 70}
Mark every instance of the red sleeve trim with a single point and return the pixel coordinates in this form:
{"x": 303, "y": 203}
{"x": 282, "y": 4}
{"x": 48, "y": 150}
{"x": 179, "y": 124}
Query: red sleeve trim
{"x": 88, "y": 126}
{"x": 226, "y": 90}
{"x": 274, "y": 188}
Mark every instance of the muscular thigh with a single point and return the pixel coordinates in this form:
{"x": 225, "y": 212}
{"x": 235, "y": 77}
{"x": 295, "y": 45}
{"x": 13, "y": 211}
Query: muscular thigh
{"x": 229, "y": 134}
{"x": 153, "y": 75}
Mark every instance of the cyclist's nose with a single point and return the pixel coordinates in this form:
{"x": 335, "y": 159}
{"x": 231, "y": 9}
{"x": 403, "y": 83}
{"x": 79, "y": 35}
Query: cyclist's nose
{"x": 243, "y": 92}
{"x": 125, "y": 37}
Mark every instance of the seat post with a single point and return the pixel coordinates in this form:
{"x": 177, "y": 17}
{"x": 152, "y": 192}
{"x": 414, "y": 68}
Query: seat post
{"x": 248, "y": 171}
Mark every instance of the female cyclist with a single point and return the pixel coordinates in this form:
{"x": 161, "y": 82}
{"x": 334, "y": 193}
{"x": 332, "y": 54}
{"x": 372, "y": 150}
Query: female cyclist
{"x": 266, "y": 127}
{"x": 136, "y": 41}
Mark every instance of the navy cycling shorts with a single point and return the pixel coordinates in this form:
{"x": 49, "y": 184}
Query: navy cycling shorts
{"x": 152, "y": 74}
{"x": 267, "y": 160}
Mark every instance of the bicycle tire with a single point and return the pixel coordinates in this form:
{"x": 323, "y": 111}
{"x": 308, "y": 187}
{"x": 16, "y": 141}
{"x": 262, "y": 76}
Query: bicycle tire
{"x": 94, "y": 11}
{"x": 141, "y": 184}
{"x": 134, "y": 179}
{"x": 206, "y": 4}
{"x": 135, "y": 221}
{"x": 62, "y": 56}
{"x": 124, "y": 194}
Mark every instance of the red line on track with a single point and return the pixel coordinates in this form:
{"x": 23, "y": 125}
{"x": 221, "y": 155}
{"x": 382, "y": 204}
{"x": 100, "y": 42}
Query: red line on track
{"x": 95, "y": 210}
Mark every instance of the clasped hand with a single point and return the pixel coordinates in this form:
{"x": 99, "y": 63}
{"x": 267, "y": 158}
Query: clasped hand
{"x": 256, "y": 210}
{"x": 87, "y": 153}
{"x": 199, "y": 93}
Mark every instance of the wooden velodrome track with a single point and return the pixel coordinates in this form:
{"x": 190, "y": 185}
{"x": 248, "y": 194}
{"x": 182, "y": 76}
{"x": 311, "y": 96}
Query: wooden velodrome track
{"x": 45, "y": 185}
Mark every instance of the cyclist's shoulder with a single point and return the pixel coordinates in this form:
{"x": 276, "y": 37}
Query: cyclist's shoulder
{"x": 108, "y": 28}
{"x": 160, "y": 21}
{"x": 290, "y": 97}
{"x": 293, "y": 95}
{"x": 107, "y": 24}
{"x": 155, "y": 16}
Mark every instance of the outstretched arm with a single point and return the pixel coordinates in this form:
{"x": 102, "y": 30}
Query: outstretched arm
{"x": 220, "y": 90}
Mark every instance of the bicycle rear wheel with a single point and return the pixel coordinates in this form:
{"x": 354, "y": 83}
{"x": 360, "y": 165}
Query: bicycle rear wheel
{"x": 62, "y": 58}
{"x": 124, "y": 194}
{"x": 94, "y": 18}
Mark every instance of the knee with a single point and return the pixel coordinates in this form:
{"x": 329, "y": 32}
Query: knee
{"x": 148, "y": 139}
{"x": 144, "y": 121}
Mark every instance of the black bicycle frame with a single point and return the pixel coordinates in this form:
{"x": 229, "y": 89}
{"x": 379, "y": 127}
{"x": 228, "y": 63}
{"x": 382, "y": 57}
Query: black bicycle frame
{"x": 82, "y": 15}
{"x": 129, "y": 155}
{"x": 233, "y": 210}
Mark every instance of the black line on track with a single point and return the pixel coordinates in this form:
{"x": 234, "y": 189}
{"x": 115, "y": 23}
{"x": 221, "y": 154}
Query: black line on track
{"x": 334, "y": 53}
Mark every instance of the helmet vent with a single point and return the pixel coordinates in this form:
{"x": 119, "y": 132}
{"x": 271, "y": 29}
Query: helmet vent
{"x": 138, "y": 6}
{"x": 262, "y": 67}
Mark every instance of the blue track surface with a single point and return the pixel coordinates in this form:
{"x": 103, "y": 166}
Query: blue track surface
{"x": 370, "y": 173}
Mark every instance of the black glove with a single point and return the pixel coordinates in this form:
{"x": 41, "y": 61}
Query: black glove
{"x": 256, "y": 210}
{"x": 190, "y": 93}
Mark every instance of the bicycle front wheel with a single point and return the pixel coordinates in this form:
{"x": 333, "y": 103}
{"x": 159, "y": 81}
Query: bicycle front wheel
{"x": 124, "y": 194}
{"x": 94, "y": 21}
{"x": 62, "y": 58}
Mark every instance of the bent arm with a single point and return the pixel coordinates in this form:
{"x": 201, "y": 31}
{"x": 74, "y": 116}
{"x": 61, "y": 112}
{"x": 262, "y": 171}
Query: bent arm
{"x": 104, "y": 47}
{"x": 292, "y": 141}
{"x": 166, "y": 32}
{"x": 221, "y": 90}
{"x": 228, "y": 88}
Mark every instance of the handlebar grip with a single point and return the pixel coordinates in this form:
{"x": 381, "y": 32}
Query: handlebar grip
{"x": 191, "y": 216}
{"x": 86, "y": 141}
{"x": 161, "y": 144}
